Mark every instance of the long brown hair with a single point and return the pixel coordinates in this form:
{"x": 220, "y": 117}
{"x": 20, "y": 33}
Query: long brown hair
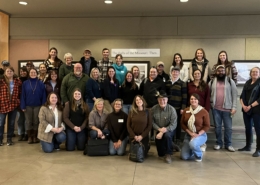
{"x": 202, "y": 50}
{"x": 58, "y": 104}
{"x": 173, "y": 61}
{"x": 202, "y": 84}
{"x": 56, "y": 59}
{"x": 133, "y": 84}
{"x": 74, "y": 106}
{"x": 7, "y": 81}
{"x": 134, "y": 108}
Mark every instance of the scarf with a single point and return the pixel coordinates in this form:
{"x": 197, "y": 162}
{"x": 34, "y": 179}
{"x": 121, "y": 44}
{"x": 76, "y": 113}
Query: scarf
{"x": 191, "y": 120}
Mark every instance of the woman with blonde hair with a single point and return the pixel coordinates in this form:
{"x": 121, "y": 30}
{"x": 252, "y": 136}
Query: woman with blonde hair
{"x": 139, "y": 122}
{"x": 93, "y": 87}
{"x": 97, "y": 121}
{"x": 75, "y": 116}
{"x": 66, "y": 67}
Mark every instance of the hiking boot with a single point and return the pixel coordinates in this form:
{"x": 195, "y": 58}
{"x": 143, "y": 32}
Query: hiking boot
{"x": 168, "y": 158}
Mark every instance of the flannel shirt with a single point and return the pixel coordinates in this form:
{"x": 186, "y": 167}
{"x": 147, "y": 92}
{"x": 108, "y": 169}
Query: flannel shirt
{"x": 9, "y": 102}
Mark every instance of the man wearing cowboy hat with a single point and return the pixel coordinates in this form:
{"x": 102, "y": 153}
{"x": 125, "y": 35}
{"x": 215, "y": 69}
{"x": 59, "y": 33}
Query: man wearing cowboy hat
{"x": 164, "y": 119}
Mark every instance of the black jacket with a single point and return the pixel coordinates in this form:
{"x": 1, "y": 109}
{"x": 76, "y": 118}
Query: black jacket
{"x": 92, "y": 65}
{"x": 150, "y": 90}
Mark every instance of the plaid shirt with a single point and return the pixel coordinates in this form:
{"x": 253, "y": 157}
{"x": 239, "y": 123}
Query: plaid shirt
{"x": 9, "y": 102}
{"x": 103, "y": 65}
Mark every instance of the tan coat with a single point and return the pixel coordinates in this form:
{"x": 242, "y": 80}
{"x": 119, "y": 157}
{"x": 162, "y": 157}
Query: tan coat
{"x": 46, "y": 116}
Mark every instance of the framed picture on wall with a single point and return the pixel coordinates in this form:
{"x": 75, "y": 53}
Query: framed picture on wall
{"x": 36, "y": 63}
{"x": 243, "y": 69}
{"x": 187, "y": 62}
{"x": 144, "y": 67}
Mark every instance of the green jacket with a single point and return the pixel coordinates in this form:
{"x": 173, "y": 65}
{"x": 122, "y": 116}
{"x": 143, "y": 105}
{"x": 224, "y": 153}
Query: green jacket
{"x": 69, "y": 83}
{"x": 64, "y": 70}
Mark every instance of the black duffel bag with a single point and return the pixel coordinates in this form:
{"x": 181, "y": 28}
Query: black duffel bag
{"x": 97, "y": 147}
{"x": 136, "y": 152}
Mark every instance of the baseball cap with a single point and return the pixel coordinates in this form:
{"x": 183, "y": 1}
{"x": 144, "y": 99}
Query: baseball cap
{"x": 5, "y": 63}
{"x": 160, "y": 63}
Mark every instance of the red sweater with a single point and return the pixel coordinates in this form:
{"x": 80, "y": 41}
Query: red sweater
{"x": 204, "y": 95}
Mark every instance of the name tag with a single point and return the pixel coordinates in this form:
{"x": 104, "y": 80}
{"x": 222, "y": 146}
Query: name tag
{"x": 120, "y": 120}
{"x": 122, "y": 71}
{"x": 187, "y": 111}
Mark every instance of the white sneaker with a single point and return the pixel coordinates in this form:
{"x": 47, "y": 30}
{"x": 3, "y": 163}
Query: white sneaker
{"x": 203, "y": 147}
{"x": 217, "y": 147}
{"x": 231, "y": 149}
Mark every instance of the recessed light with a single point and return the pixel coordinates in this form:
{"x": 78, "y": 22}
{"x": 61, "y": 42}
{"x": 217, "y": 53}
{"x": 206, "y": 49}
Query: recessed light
{"x": 23, "y": 3}
{"x": 108, "y": 1}
{"x": 183, "y": 1}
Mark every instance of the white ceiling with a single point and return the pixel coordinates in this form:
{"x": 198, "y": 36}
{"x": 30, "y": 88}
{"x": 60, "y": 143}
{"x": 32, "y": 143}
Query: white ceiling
{"x": 94, "y": 8}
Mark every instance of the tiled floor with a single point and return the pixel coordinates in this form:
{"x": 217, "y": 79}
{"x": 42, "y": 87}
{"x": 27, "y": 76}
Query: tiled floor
{"x": 22, "y": 164}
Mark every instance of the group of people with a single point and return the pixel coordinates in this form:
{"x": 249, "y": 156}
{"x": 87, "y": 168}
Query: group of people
{"x": 103, "y": 100}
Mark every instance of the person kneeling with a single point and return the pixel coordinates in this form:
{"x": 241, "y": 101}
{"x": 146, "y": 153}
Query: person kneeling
{"x": 164, "y": 122}
{"x": 195, "y": 122}
{"x": 116, "y": 122}
{"x": 75, "y": 116}
{"x": 51, "y": 129}
{"x": 97, "y": 118}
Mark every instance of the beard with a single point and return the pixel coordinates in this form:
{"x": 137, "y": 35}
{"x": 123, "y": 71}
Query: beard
{"x": 221, "y": 78}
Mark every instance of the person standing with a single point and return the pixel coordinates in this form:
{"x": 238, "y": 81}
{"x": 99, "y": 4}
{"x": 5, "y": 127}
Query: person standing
{"x": 73, "y": 80}
{"x": 93, "y": 88}
{"x": 104, "y": 63}
{"x": 250, "y": 101}
{"x": 88, "y": 62}
{"x": 177, "y": 62}
{"x": 161, "y": 73}
{"x": 21, "y": 120}
{"x": 137, "y": 77}
{"x": 223, "y": 98}
{"x": 67, "y": 67}
{"x": 120, "y": 69}
{"x": 53, "y": 62}
{"x": 10, "y": 92}
{"x": 150, "y": 87}
{"x": 200, "y": 62}
{"x": 128, "y": 91}
{"x": 177, "y": 95}
{"x": 231, "y": 70}
{"x": 43, "y": 75}
{"x": 164, "y": 119}
{"x": 33, "y": 97}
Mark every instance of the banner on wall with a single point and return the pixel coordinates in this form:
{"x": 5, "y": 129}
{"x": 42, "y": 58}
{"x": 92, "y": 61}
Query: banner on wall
{"x": 136, "y": 52}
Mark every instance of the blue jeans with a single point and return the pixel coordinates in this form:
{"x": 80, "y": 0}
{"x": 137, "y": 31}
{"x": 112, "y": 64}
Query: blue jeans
{"x": 21, "y": 123}
{"x": 55, "y": 144}
{"x": 10, "y": 124}
{"x": 75, "y": 138}
{"x": 119, "y": 151}
{"x": 192, "y": 147}
{"x": 93, "y": 134}
{"x": 90, "y": 106}
{"x": 127, "y": 108}
{"x": 164, "y": 145}
{"x": 225, "y": 117}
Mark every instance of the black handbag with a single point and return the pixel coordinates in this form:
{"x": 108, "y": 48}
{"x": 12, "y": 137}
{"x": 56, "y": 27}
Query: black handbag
{"x": 136, "y": 152}
{"x": 97, "y": 147}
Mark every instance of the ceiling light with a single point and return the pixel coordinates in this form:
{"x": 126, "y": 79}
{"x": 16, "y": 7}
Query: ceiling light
{"x": 108, "y": 1}
{"x": 23, "y": 3}
{"x": 183, "y": 1}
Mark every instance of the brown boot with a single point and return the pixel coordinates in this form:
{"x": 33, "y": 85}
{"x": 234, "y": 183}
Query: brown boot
{"x": 30, "y": 139}
{"x": 35, "y": 139}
